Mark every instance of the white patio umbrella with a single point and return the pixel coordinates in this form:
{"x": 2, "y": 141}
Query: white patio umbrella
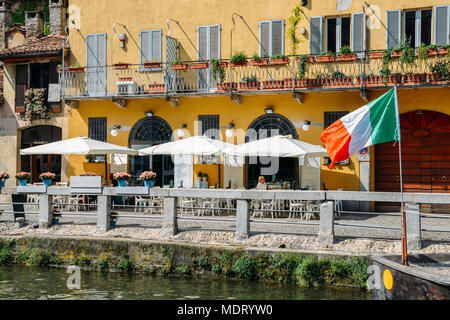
{"x": 80, "y": 145}
{"x": 196, "y": 146}
{"x": 277, "y": 147}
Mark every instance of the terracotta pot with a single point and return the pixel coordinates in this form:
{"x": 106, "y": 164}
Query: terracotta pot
{"x": 199, "y": 65}
{"x": 432, "y": 52}
{"x": 223, "y": 64}
{"x": 260, "y": 63}
{"x": 180, "y": 66}
{"x": 239, "y": 64}
{"x": 396, "y": 54}
{"x": 298, "y": 83}
{"x": 244, "y": 86}
{"x": 347, "y": 57}
{"x": 75, "y": 70}
{"x": 309, "y": 60}
{"x": 279, "y": 61}
{"x": 152, "y": 65}
{"x": 375, "y": 54}
{"x": 156, "y": 88}
{"x": 325, "y": 58}
{"x": 55, "y": 107}
{"x": 226, "y": 86}
{"x": 443, "y": 51}
{"x": 120, "y": 66}
{"x": 273, "y": 84}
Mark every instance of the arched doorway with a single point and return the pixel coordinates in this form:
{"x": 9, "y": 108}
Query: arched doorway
{"x": 286, "y": 169}
{"x": 148, "y": 132}
{"x": 37, "y": 164}
{"x": 425, "y": 154}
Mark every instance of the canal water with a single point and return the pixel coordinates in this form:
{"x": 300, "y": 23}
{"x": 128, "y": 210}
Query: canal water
{"x": 18, "y": 282}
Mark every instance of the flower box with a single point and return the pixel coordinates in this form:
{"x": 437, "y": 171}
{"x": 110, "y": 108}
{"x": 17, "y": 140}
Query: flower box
{"x": 375, "y": 54}
{"x": 279, "y": 61}
{"x": 251, "y": 85}
{"x": 120, "y": 66}
{"x": 396, "y": 53}
{"x": 273, "y": 84}
{"x": 156, "y": 88}
{"x": 443, "y": 51}
{"x": 309, "y": 60}
{"x": 152, "y": 65}
{"x": 239, "y": 64}
{"x": 432, "y": 52}
{"x": 347, "y": 57}
{"x": 297, "y": 83}
{"x": 223, "y": 64}
{"x": 260, "y": 63}
{"x": 199, "y": 65}
{"x": 325, "y": 58}
{"x": 226, "y": 86}
{"x": 180, "y": 66}
{"x": 75, "y": 70}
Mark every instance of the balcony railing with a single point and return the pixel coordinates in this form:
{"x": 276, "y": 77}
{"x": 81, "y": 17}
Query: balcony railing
{"x": 250, "y": 77}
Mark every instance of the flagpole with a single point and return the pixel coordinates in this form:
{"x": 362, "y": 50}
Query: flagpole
{"x": 404, "y": 241}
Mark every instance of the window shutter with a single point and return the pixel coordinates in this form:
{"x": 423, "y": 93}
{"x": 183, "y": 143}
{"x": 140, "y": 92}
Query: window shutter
{"x": 156, "y": 45}
{"x": 53, "y": 74}
{"x": 214, "y": 42}
{"x": 21, "y": 86}
{"x": 393, "y": 28}
{"x": 145, "y": 47}
{"x": 315, "y": 35}
{"x": 90, "y": 50}
{"x": 277, "y": 38}
{"x": 101, "y": 60}
{"x": 202, "y": 43}
{"x": 358, "y": 32}
{"x": 264, "y": 38}
{"x": 442, "y": 25}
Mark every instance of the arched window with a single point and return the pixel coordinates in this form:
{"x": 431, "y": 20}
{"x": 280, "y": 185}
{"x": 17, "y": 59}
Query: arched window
{"x": 150, "y": 130}
{"x": 270, "y": 125}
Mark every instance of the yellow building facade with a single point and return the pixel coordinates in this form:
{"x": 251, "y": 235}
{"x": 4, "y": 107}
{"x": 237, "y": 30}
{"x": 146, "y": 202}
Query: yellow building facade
{"x": 113, "y": 40}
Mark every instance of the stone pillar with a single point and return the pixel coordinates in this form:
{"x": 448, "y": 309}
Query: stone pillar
{"x": 45, "y": 211}
{"x": 103, "y": 214}
{"x": 326, "y": 227}
{"x": 34, "y": 24}
{"x": 413, "y": 226}
{"x": 242, "y": 220}
{"x": 170, "y": 221}
{"x": 57, "y": 10}
{"x": 5, "y": 21}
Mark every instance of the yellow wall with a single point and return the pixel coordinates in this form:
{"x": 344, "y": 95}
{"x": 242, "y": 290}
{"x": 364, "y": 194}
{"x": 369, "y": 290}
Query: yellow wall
{"x": 100, "y": 15}
{"x": 15, "y": 39}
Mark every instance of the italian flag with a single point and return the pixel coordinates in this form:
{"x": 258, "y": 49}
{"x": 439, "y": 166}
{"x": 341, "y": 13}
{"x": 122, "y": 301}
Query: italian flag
{"x": 374, "y": 123}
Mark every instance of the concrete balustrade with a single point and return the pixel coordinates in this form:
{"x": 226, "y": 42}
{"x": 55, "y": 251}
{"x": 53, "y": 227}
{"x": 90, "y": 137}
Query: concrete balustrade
{"x": 326, "y": 234}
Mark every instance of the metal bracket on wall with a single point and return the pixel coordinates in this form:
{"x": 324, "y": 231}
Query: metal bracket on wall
{"x": 122, "y": 103}
{"x": 236, "y": 98}
{"x": 364, "y": 94}
{"x": 299, "y": 97}
{"x": 72, "y": 103}
{"x": 173, "y": 101}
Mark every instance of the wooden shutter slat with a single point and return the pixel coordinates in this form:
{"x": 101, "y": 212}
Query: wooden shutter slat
{"x": 393, "y": 28}
{"x": 442, "y": 25}
{"x": 264, "y": 49}
{"x": 315, "y": 35}
{"x": 358, "y": 32}
{"x": 277, "y": 38}
{"x": 214, "y": 36}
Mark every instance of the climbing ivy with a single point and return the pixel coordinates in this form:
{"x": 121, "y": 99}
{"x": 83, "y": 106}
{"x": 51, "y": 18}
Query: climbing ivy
{"x": 294, "y": 20}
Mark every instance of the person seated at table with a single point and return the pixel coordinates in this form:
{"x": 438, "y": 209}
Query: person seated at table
{"x": 261, "y": 183}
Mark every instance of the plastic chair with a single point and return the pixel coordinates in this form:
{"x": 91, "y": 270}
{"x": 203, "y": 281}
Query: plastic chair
{"x": 296, "y": 207}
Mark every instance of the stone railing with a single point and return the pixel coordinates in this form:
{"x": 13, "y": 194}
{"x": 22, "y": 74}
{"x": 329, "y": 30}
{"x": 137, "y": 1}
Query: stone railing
{"x": 243, "y": 199}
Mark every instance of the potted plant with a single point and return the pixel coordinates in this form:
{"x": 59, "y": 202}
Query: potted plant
{"x": 23, "y": 177}
{"x": 122, "y": 178}
{"x": 408, "y": 53}
{"x": 422, "y": 52}
{"x": 120, "y": 66}
{"x": 326, "y": 57}
{"x": 302, "y": 67}
{"x": 346, "y": 54}
{"x": 432, "y": 50}
{"x": 199, "y": 176}
{"x": 444, "y": 50}
{"x": 377, "y": 54}
{"x": 178, "y": 65}
{"x": 47, "y": 178}
{"x": 259, "y": 62}
{"x": 205, "y": 177}
{"x": 239, "y": 59}
{"x": 199, "y": 65}
{"x": 149, "y": 178}
{"x": 440, "y": 71}
{"x": 279, "y": 60}
{"x": 249, "y": 83}
{"x": 3, "y": 177}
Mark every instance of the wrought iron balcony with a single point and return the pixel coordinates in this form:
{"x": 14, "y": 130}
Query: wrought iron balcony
{"x": 294, "y": 73}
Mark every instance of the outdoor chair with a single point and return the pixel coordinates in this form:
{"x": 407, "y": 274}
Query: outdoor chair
{"x": 312, "y": 207}
{"x": 155, "y": 202}
{"x": 297, "y": 207}
{"x": 141, "y": 203}
{"x": 187, "y": 205}
{"x": 208, "y": 205}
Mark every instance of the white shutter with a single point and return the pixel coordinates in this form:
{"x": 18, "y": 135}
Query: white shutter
{"x": 151, "y": 46}
{"x": 96, "y": 62}
{"x": 315, "y": 35}
{"x": 277, "y": 38}
{"x": 394, "y": 28}
{"x": 214, "y": 39}
{"x": 156, "y": 45}
{"x": 202, "y": 43}
{"x": 264, "y": 38}
{"x": 442, "y": 25}
{"x": 145, "y": 46}
{"x": 358, "y": 35}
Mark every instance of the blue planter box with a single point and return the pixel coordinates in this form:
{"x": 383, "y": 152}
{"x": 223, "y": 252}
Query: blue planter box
{"x": 23, "y": 182}
{"x": 149, "y": 183}
{"x": 122, "y": 183}
{"x": 47, "y": 182}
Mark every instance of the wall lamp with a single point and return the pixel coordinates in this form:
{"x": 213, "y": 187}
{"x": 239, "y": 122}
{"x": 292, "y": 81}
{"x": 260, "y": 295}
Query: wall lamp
{"x": 115, "y": 130}
{"x": 149, "y": 114}
{"x": 307, "y": 125}
{"x": 180, "y": 132}
{"x": 230, "y": 131}
{"x": 269, "y": 110}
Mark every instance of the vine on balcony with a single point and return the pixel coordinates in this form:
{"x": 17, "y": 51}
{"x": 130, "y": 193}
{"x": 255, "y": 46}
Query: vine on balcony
{"x": 294, "y": 20}
{"x": 36, "y": 107}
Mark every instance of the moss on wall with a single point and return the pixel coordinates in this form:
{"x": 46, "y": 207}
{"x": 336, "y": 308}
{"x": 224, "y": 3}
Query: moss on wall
{"x": 308, "y": 270}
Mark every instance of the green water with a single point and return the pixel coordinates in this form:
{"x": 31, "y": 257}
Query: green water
{"x": 27, "y": 283}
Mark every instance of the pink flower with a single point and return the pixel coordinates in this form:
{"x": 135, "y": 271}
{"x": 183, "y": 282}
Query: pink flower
{"x": 122, "y": 176}
{"x": 4, "y": 175}
{"x": 147, "y": 175}
{"x": 47, "y": 176}
{"x": 23, "y": 175}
